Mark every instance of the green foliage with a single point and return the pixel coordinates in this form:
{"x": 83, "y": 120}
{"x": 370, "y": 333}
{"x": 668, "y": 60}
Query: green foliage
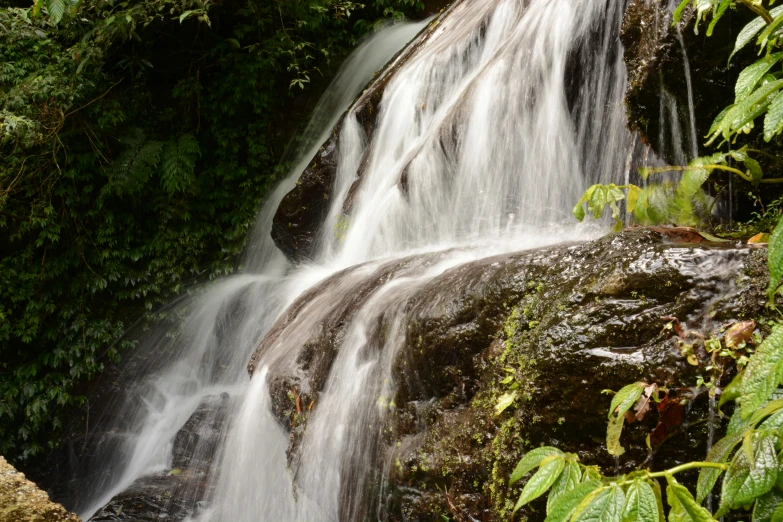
{"x": 623, "y": 401}
{"x": 138, "y": 138}
{"x": 750, "y": 455}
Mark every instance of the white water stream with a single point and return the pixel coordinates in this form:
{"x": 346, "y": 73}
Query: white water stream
{"x": 485, "y": 138}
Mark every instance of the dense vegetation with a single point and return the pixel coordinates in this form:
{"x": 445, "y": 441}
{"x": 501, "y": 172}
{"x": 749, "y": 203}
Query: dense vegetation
{"x": 138, "y": 138}
{"x": 751, "y": 451}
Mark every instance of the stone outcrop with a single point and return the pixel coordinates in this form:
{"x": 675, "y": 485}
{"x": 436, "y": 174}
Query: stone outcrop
{"x": 655, "y": 55}
{"x": 555, "y": 326}
{"x": 22, "y": 501}
{"x": 180, "y": 492}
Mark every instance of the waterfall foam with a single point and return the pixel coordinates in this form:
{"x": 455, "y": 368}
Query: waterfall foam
{"x": 486, "y": 135}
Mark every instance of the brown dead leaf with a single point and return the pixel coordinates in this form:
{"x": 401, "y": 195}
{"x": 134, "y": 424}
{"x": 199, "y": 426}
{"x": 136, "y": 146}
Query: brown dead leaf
{"x": 739, "y": 333}
{"x": 671, "y": 416}
{"x": 681, "y": 234}
{"x": 643, "y": 404}
{"x": 759, "y": 238}
{"x": 676, "y": 326}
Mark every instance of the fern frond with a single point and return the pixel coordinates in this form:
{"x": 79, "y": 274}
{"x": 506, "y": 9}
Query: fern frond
{"x": 179, "y": 163}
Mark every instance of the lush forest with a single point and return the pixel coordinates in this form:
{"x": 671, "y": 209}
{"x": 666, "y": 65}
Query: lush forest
{"x": 138, "y": 138}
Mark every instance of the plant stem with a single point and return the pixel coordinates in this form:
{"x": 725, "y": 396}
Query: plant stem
{"x": 759, "y": 10}
{"x": 687, "y": 466}
{"x": 695, "y": 167}
{"x": 738, "y": 172}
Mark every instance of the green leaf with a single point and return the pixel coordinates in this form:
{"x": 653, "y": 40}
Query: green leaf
{"x": 56, "y": 9}
{"x": 766, "y": 505}
{"x": 773, "y": 121}
{"x": 775, "y": 259}
{"x": 504, "y": 401}
{"x": 567, "y": 481}
{"x": 579, "y": 211}
{"x": 738, "y": 424}
{"x": 37, "y": 7}
{"x": 717, "y": 15}
{"x": 768, "y": 30}
{"x": 678, "y": 12}
{"x": 773, "y": 423}
{"x": 684, "y": 507}
{"x": 745, "y": 480}
{"x": 622, "y": 401}
{"x": 750, "y": 30}
{"x": 656, "y": 487}
{"x": 541, "y": 481}
{"x": 752, "y": 74}
{"x": 760, "y": 377}
{"x": 607, "y": 506}
{"x": 566, "y": 504}
{"x": 532, "y": 459}
{"x": 625, "y": 399}
{"x": 613, "y": 431}
{"x": 719, "y": 452}
{"x": 640, "y": 503}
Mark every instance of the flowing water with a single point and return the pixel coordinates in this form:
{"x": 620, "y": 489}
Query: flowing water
{"x": 487, "y": 133}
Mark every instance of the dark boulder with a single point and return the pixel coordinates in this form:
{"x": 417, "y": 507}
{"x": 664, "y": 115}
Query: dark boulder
{"x": 177, "y": 493}
{"x": 657, "y": 90}
{"x": 554, "y": 326}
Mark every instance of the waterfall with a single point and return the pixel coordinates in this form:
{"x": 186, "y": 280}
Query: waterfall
{"x": 487, "y": 133}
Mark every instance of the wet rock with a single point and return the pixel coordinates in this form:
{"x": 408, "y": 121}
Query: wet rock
{"x": 22, "y": 501}
{"x": 301, "y": 213}
{"x": 299, "y": 217}
{"x": 177, "y": 493}
{"x": 553, "y": 326}
{"x": 657, "y": 91}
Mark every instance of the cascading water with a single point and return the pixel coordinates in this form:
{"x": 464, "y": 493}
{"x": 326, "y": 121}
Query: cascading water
{"x": 487, "y": 133}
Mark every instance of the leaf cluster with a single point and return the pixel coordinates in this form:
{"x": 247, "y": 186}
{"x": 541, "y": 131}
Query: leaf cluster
{"x": 138, "y": 139}
{"x": 750, "y": 456}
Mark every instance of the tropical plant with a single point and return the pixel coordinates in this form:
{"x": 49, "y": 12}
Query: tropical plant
{"x": 758, "y": 92}
{"x": 138, "y": 138}
{"x": 749, "y": 456}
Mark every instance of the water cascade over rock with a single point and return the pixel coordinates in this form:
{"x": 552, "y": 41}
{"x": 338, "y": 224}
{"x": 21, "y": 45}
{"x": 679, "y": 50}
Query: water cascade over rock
{"x": 426, "y": 252}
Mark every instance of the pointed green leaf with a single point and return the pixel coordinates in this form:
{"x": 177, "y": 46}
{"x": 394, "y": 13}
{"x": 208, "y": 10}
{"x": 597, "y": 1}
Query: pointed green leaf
{"x": 566, "y": 504}
{"x": 532, "y": 459}
{"x": 760, "y": 377}
{"x": 773, "y": 121}
{"x": 567, "y": 481}
{"x": 625, "y": 399}
{"x": 541, "y": 481}
{"x": 656, "y": 487}
{"x": 678, "y": 12}
{"x": 724, "y": 4}
{"x": 766, "y": 505}
{"x": 607, "y": 506}
{"x": 613, "y": 431}
{"x": 744, "y": 480}
{"x": 719, "y": 453}
{"x": 750, "y": 30}
{"x": 56, "y": 9}
{"x": 579, "y": 211}
{"x": 738, "y": 424}
{"x": 640, "y": 503}
{"x": 684, "y": 507}
{"x": 752, "y": 74}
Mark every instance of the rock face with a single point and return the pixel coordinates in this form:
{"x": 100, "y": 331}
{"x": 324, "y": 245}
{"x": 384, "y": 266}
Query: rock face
{"x": 180, "y": 492}
{"x": 22, "y": 501}
{"x": 657, "y": 92}
{"x": 553, "y": 327}
{"x": 303, "y": 210}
